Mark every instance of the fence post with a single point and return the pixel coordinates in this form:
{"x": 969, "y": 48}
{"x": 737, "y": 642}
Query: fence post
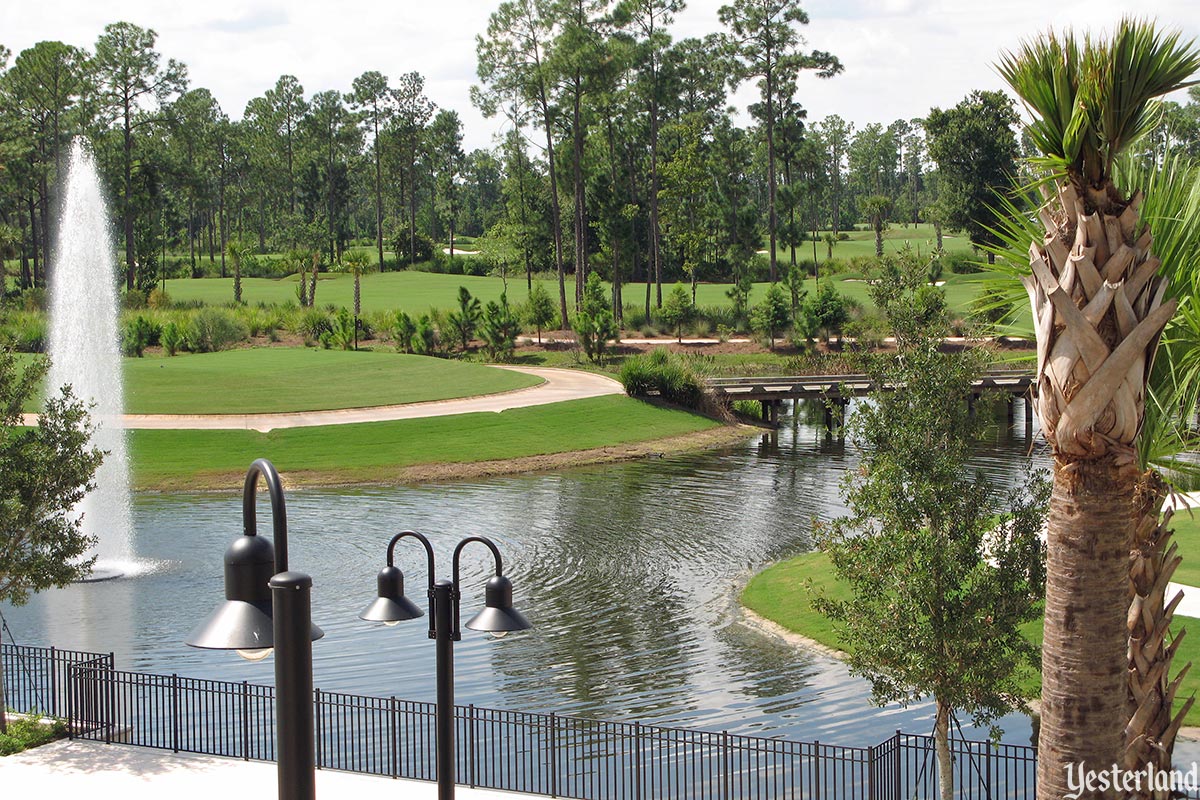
{"x": 245, "y": 721}
{"x": 174, "y": 713}
{"x": 637, "y": 760}
{"x": 817, "y": 767}
{"x": 472, "y": 755}
{"x": 317, "y": 721}
{"x": 553, "y": 754}
{"x": 54, "y": 657}
{"x": 725, "y": 766}
{"x": 871, "y": 773}
{"x": 109, "y": 695}
{"x": 899, "y": 787}
{"x": 393, "y": 735}
{"x": 71, "y": 680}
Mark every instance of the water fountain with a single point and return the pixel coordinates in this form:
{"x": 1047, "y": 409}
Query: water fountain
{"x": 85, "y": 353}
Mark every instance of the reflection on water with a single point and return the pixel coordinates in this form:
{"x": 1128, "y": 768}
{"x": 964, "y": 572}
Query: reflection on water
{"x": 629, "y": 573}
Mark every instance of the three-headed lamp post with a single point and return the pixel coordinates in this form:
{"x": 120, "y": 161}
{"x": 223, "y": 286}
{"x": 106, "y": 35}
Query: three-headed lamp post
{"x": 498, "y": 618}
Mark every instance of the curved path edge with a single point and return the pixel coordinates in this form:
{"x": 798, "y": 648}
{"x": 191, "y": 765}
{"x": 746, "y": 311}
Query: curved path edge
{"x": 558, "y": 385}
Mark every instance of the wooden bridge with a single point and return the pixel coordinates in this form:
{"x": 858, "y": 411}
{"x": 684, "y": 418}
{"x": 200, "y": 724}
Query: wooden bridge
{"x": 836, "y": 391}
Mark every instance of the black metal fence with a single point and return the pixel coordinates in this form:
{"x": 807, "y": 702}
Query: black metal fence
{"x": 549, "y": 754}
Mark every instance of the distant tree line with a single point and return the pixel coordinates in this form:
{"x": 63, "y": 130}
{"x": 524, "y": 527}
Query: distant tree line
{"x": 622, "y": 155}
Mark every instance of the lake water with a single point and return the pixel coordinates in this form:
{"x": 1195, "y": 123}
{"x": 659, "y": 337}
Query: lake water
{"x": 629, "y": 572}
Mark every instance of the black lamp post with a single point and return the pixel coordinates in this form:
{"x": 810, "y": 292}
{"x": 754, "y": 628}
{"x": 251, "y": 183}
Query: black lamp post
{"x": 266, "y": 609}
{"x": 498, "y": 618}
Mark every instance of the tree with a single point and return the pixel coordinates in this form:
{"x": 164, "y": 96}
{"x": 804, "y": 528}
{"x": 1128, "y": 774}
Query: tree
{"x": 445, "y": 145}
{"x": 356, "y": 263}
{"x": 44, "y": 472}
{"x": 945, "y": 619}
{"x": 128, "y": 80}
{"x": 975, "y": 150}
{"x": 413, "y": 111}
{"x": 499, "y": 329}
{"x": 771, "y": 315}
{"x": 826, "y": 310}
{"x": 376, "y": 105}
{"x": 512, "y": 61}
{"x": 678, "y": 310}
{"x": 540, "y": 310}
{"x": 1097, "y": 336}
{"x": 766, "y": 45}
{"x": 594, "y": 323}
{"x": 464, "y": 321}
{"x": 877, "y": 207}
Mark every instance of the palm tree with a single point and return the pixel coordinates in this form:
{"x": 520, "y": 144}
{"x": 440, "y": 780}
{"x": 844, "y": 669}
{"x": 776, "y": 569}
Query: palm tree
{"x": 356, "y": 262}
{"x": 1099, "y": 310}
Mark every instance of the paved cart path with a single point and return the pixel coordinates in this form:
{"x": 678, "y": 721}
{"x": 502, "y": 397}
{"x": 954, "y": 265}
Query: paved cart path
{"x": 559, "y": 385}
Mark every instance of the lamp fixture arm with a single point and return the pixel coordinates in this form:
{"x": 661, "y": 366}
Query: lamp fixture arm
{"x": 269, "y": 474}
{"x": 391, "y": 552}
{"x": 456, "y": 591}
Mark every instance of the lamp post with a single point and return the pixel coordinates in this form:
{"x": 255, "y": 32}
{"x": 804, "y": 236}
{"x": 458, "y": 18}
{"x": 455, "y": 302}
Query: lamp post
{"x": 498, "y": 618}
{"x": 266, "y": 609}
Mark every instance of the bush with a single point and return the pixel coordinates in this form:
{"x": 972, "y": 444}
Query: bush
{"x": 26, "y": 732}
{"x": 158, "y": 299}
{"x": 424, "y": 339}
{"x": 312, "y": 324}
{"x": 959, "y": 263}
{"x": 405, "y": 255}
{"x": 666, "y": 375}
{"x": 25, "y": 332}
{"x": 341, "y": 331}
{"x": 214, "y": 329}
{"x": 137, "y": 334}
{"x": 402, "y": 331}
{"x": 499, "y": 329}
{"x": 594, "y": 324}
{"x": 172, "y": 337}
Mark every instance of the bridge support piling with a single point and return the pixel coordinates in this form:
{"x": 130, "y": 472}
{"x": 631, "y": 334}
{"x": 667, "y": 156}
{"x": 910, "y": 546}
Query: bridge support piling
{"x": 1028, "y": 412}
{"x": 1010, "y": 409}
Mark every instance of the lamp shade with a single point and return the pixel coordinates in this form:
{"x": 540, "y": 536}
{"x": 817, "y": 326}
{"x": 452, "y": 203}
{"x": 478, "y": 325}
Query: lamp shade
{"x": 391, "y": 605}
{"x": 244, "y": 620}
{"x": 498, "y": 615}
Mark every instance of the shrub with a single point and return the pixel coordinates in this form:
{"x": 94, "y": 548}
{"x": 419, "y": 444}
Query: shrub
{"x": 158, "y": 298}
{"x": 771, "y": 315}
{"x": 405, "y": 254}
{"x": 341, "y": 331}
{"x": 213, "y": 329}
{"x": 402, "y": 331}
{"x": 677, "y": 310}
{"x": 666, "y": 375}
{"x": 26, "y": 732}
{"x": 594, "y": 324}
{"x": 137, "y": 334}
{"x": 172, "y": 337}
{"x": 312, "y": 324}
{"x": 26, "y": 332}
{"x": 133, "y": 299}
{"x": 424, "y": 338}
{"x": 499, "y": 329}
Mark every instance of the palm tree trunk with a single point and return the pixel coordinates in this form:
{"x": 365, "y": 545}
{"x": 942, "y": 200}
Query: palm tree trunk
{"x": 1084, "y": 651}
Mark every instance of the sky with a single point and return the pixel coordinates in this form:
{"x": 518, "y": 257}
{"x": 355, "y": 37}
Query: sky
{"x": 901, "y": 57}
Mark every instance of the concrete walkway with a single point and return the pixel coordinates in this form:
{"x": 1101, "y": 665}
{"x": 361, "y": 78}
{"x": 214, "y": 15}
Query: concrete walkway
{"x": 1189, "y": 606}
{"x": 93, "y": 769}
{"x": 560, "y": 385}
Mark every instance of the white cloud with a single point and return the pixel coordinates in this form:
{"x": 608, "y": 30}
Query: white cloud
{"x": 901, "y": 56}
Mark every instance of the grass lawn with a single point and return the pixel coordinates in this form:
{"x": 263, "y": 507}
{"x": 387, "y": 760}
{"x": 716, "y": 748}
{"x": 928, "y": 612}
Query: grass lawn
{"x": 779, "y": 593}
{"x": 375, "y": 452}
{"x": 921, "y": 238}
{"x": 417, "y": 292}
{"x": 263, "y": 380}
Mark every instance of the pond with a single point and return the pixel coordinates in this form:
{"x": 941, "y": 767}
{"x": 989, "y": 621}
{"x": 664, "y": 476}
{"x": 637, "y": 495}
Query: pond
{"x": 629, "y": 572}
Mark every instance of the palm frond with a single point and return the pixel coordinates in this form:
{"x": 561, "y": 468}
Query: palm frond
{"x": 1091, "y": 100}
